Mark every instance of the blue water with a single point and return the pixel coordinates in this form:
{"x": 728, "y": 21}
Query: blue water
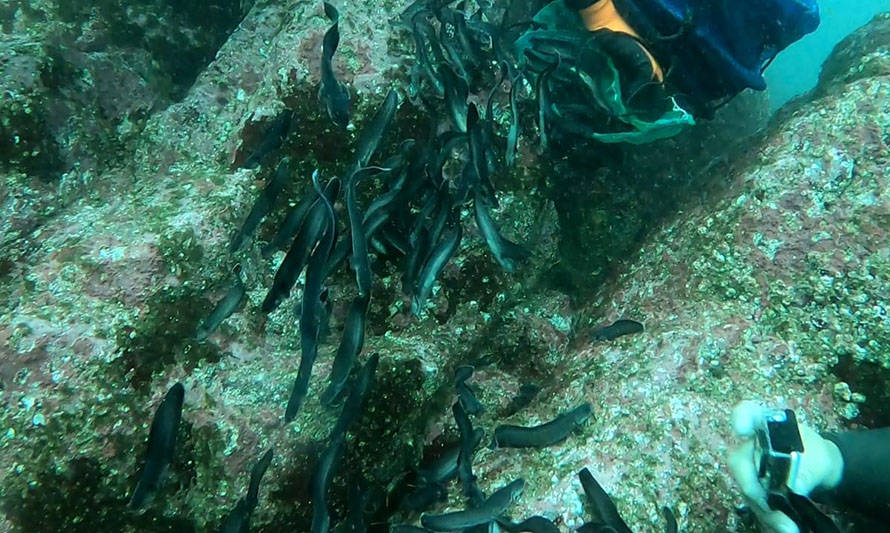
{"x": 796, "y": 70}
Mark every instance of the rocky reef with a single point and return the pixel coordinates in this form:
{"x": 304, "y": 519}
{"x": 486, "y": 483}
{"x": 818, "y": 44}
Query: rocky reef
{"x": 754, "y": 255}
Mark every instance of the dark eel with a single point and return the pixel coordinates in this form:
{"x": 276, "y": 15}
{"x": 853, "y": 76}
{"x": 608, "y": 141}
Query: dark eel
{"x": 161, "y": 445}
{"x": 262, "y": 205}
{"x": 543, "y": 435}
{"x": 616, "y": 329}
{"x": 607, "y": 513}
{"x": 490, "y": 510}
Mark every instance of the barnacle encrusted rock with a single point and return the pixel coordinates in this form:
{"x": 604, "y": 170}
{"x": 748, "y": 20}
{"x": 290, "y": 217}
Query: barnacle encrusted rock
{"x": 770, "y": 284}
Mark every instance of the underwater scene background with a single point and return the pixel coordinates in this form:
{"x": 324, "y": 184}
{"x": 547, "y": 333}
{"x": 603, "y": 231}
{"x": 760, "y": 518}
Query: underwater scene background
{"x": 352, "y": 235}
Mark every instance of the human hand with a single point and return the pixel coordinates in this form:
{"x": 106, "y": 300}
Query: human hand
{"x": 820, "y": 466}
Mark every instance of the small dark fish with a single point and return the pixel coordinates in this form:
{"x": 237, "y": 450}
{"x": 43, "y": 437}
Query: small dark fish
{"x": 439, "y": 257}
{"x": 271, "y": 139}
{"x": 468, "y": 399}
{"x": 543, "y": 91}
{"x": 327, "y": 463}
{"x": 478, "y": 153}
{"x": 223, "y": 310}
{"x": 463, "y": 373}
{"x": 350, "y": 346}
{"x": 456, "y": 92}
{"x": 359, "y": 495}
{"x": 423, "y": 497}
{"x": 465, "y": 457}
{"x": 424, "y": 36}
{"x": 352, "y": 409}
{"x": 300, "y": 251}
{"x": 371, "y": 135}
{"x": 616, "y": 329}
{"x": 454, "y": 57}
{"x": 256, "y": 476}
{"x": 513, "y": 133}
{"x": 161, "y": 446}
{"x": 534, "y": 524}
{"x": 602, "y": 504}
{"x": 543, "y": 435}
{"x": 333, "y": 94}
{"x": 507, "y": 253}
{"x": 292, "y": 223}
{"x": 444, "y": 468}
{"x": 361, "y": 262}
{"x": 471, "y": 50}
{"x": 413, "y": 263}
{"x": 238, "y": 520}
{"x": 262, "y": 205}
{"x": 316, "y": 269}
{"x": 465, "y": 394}
{"x": 321, "y": 483}
{"x": 496, "y": 505}
{"x": 670, "y": 521}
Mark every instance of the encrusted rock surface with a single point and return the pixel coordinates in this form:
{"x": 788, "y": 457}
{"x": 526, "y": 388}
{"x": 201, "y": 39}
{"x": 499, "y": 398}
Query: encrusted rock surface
{"x": 769, "y": 283}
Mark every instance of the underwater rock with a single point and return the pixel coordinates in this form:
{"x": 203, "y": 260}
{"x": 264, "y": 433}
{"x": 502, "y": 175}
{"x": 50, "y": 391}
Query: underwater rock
{"x": 768, "y": 278}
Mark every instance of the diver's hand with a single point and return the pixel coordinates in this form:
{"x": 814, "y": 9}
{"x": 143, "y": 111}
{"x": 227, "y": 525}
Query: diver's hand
{"x": 821, "y": 466}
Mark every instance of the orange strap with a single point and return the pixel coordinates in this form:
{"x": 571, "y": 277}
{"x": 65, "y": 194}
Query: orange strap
{"x": 603, "y": 15}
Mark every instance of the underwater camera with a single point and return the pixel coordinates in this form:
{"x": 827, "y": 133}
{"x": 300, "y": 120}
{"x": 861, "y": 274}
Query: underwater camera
{"x": 777, "y": 450}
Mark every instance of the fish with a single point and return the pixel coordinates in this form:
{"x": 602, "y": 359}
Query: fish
{"x": 454, "y": 57}
{"x": 161, "y": 446}
{"x": 605, "y": 510}
{"x": 350, "y": 346}
{"x": 324, "y": 472}
{"x": 333, "y": 94}
{"x": 507, "y": 253}
{"x": 465, "y": 457}
{"x": 513, "y": 133}
{"x": 496, "y": 505}
{"x": 616, "y": 329}
{"x": 316, "y": 269}
{"x": 363, "y": 382}
{"x": 224, "y": 308}
{"x": 456, "y": 92}
{"x": 547, "y": 434}
{"x": 465, "y": 394}
{"x": 271, "y": 139}
{"x": 238, "y": 520}
{"x": 423, "y": 497}
{"x": 478, "y": 159}
{"x": 299, "y": 253}
{"x": 371, "y": 135}
{"x": 327, "y": 463}
{"x": 424, "y": 35}
{"x": 670, "y": 521}
{"x": 468, "y": 400}
{"x": 471, "y": 49}
{"x": 291, "y": 224}
{"x": 444, "y": 468}
{"x": 359, "y": 496}
{"x": 543, "y": 92}
{"x": 533, "y": 524}
{"x": 262, "y": 205}
{"x": 413, "y": 263}
{"x": 439, "y": 257}
{"x": 361, "y": 262}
